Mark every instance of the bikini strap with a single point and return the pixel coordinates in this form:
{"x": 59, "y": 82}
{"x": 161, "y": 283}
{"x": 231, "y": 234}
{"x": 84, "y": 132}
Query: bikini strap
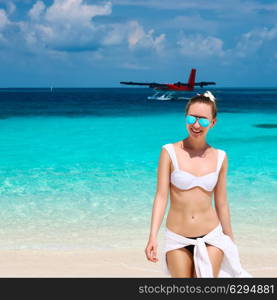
{"x": 172, "y": 154}
{"x": 221, "y": 155}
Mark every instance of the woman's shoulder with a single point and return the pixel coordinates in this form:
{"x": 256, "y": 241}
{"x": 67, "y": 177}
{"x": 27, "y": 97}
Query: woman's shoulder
{"x": 221, "y": 151}
{"x": 177, "y": 144}
{"x": 172, "y": 145}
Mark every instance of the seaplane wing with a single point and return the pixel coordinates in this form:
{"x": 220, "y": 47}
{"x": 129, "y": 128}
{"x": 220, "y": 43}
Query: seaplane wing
{"x": 150, "y": 84}
{"x": 202, "y": 83}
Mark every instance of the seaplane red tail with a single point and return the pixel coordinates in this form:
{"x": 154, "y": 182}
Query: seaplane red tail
{"x": 191, "y": 80}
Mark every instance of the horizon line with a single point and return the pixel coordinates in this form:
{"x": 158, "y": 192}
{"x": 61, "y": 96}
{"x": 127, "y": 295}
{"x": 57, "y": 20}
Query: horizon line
{"x": 113, "y": 87}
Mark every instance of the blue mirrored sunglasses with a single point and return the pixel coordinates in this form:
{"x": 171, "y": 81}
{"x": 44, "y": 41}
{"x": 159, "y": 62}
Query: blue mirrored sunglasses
{"x": 202, "y": 121}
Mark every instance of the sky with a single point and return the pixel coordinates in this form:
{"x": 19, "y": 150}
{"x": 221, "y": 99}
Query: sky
{"x": 87, "y": 43}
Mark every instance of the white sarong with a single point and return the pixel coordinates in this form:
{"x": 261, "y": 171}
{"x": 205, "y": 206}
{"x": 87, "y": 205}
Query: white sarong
{"x": 230, "y": 266}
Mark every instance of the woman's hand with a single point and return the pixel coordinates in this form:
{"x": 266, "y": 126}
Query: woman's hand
{"x": 151, "y": 250}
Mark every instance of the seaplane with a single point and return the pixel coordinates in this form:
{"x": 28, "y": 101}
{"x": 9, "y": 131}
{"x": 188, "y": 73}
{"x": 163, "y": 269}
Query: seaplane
{"x": 170, "y": 91}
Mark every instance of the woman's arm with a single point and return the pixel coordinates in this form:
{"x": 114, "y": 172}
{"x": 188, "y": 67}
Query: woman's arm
{"x": 159, "y": 205}
{"x": 221, "y": 203}
{"x": 161, "y": 197}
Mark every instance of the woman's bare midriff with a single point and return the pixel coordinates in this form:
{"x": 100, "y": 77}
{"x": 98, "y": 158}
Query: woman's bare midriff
{"x": 191, "y": 212}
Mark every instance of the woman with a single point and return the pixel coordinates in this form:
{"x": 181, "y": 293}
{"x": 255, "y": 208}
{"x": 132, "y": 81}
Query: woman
{"x": 199, "y": 239}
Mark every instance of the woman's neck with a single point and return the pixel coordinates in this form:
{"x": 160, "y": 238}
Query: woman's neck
{"x": 195, "y": 145}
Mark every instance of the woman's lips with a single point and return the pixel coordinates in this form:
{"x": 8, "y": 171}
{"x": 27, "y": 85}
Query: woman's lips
{"x": 196, "y": 132}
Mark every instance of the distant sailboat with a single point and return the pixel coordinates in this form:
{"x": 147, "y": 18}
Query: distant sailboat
{"x": 51, "y": 88}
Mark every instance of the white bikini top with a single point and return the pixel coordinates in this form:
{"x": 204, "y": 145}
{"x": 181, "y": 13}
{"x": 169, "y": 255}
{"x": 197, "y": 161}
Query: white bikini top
{"x": 185, "y": 180}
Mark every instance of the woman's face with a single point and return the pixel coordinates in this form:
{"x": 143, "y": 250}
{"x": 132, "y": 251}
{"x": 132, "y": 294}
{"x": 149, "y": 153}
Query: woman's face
{"x": 201, "y": 110}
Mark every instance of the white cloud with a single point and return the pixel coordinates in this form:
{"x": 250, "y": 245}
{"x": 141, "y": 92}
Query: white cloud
{"x": 115, "y": 35}
{"x": 255, "y": 39}
{"x": 133, "y": 66}
{"x": 137, "y": 33}
{"x": 68, "y": 26}
{"x": 36, "y": 11}
{"x": 75, "y": 11}
{"x": 199, "y": 45}
{"x": 193, "y": 23}
{"x": 65, "y": 25}
{"x": 138, "y": 38}
{"x": 11, "y": 8}
{"x": 4, "y": 21}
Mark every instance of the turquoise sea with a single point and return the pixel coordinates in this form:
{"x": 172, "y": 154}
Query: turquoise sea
{"x": 78, "y": 166}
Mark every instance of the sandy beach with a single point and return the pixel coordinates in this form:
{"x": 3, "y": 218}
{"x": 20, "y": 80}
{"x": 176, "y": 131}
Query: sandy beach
{"x": 107, "y": 263}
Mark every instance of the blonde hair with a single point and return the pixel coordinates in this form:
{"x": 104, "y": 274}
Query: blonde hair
{"x": 202, "y": 99}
